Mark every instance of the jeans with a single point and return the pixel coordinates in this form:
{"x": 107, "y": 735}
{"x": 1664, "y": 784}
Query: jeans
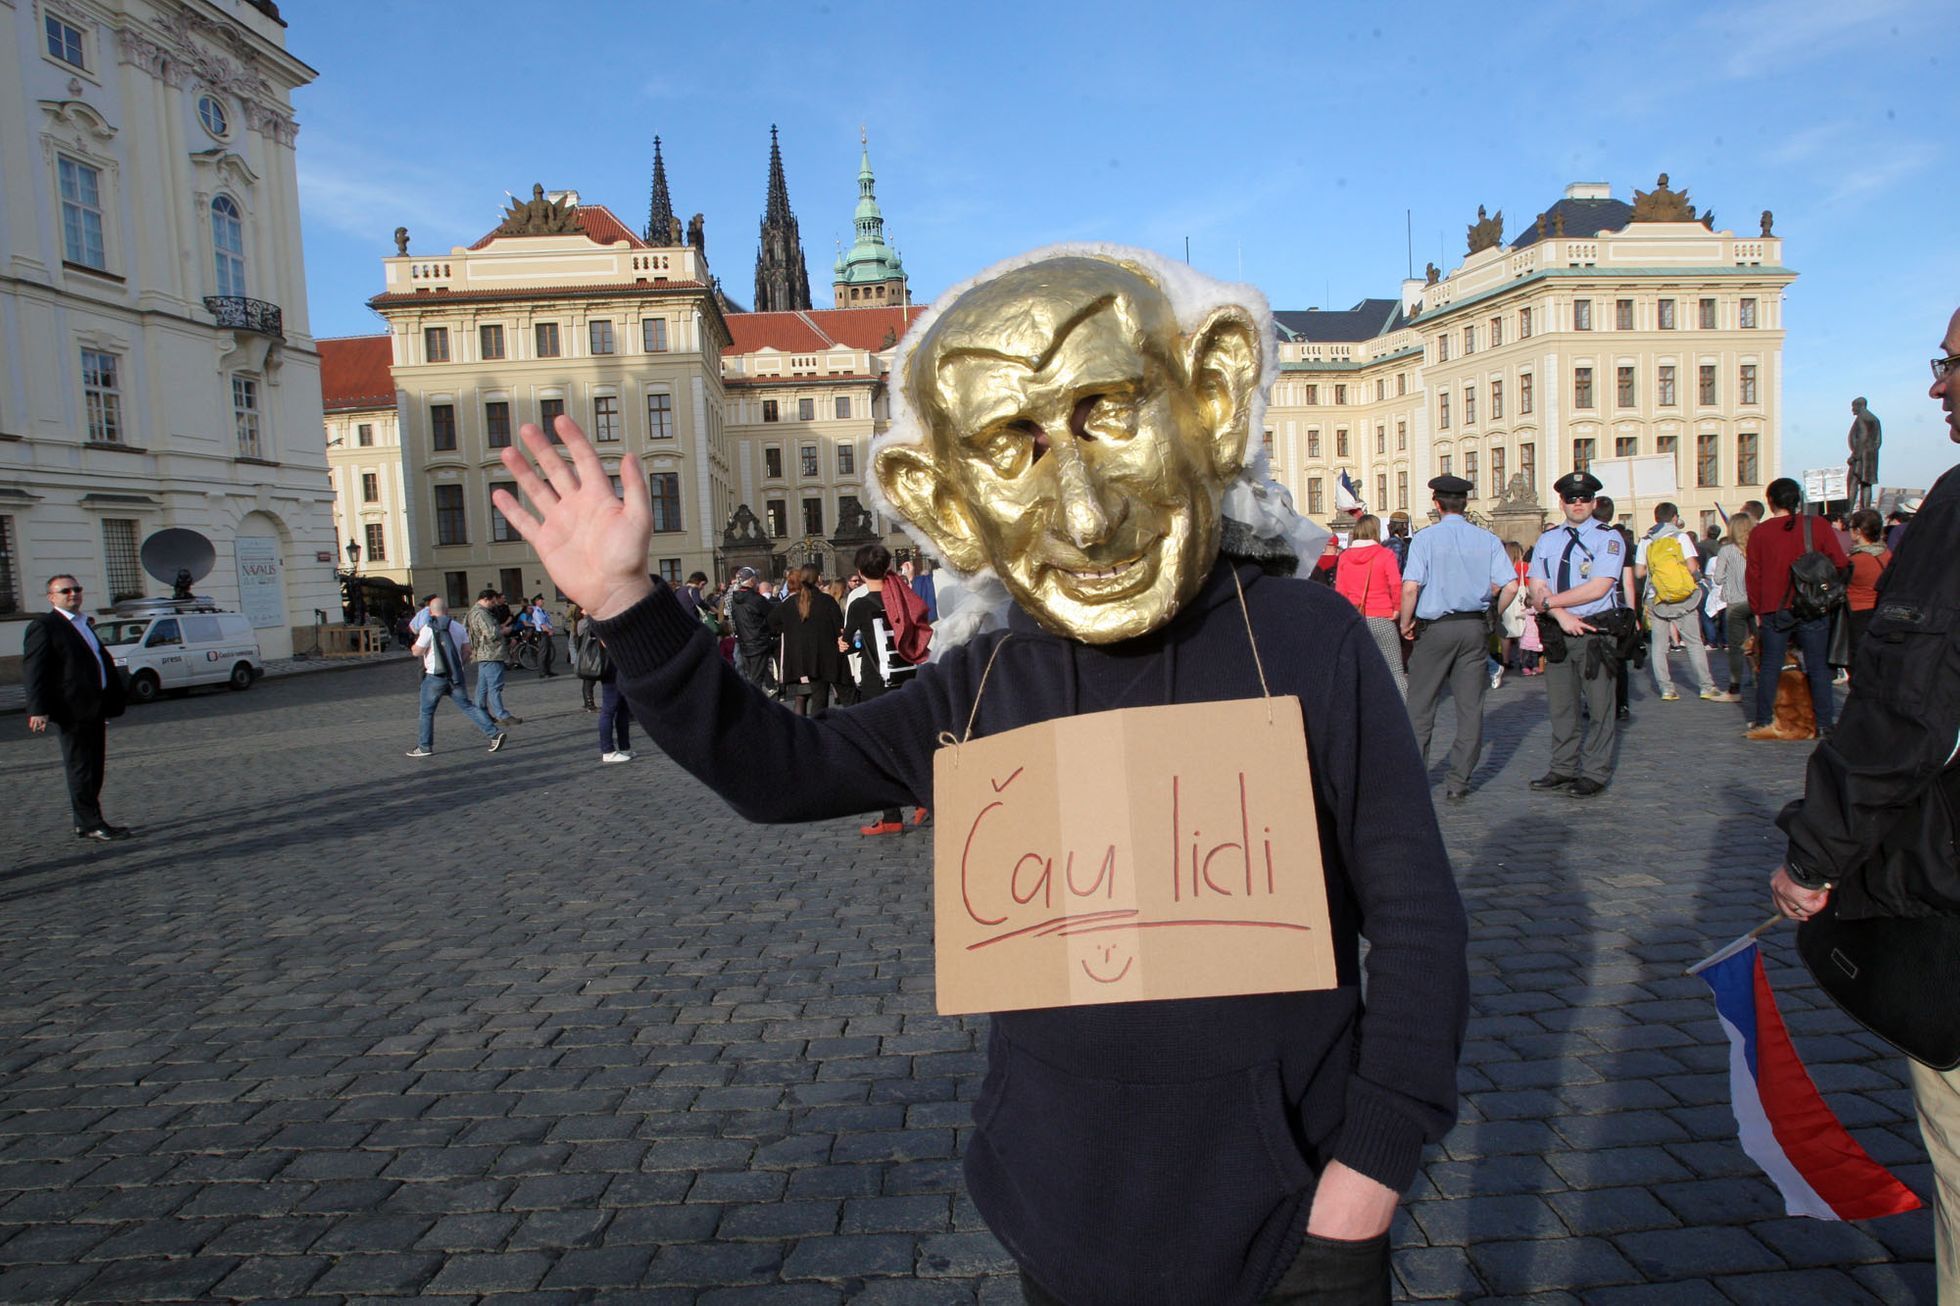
{"x": 615, "y": 716}
{"x": 438, "y": 687}
{"x": 490, "y": 689}
{"x": 1813, "y": 639}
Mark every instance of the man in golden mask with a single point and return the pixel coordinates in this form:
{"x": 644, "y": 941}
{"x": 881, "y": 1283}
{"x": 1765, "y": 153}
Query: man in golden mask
{"x": 1077, "y": 435}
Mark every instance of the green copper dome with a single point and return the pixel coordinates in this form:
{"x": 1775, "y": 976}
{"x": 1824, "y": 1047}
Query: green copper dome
{"x": 871, "y": 258}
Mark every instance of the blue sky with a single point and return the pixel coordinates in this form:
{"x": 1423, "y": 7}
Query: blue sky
{"x": 1285, "y": 140}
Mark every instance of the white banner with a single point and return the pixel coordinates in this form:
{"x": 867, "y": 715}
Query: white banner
{"x": 261, "y": 597}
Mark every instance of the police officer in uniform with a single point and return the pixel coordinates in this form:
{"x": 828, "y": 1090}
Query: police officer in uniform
{"x": 1453, "y": 570}
{"x": 1576, "y": 583}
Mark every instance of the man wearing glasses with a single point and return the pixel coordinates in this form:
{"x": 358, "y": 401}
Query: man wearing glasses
{"x": 1575, "y": 588}
{"x": 71, "y": 682}
{"x": 1873, "y": 835}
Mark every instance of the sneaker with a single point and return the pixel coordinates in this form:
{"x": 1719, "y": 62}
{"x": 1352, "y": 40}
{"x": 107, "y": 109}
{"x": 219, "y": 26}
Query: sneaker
{"x": 626, "y": 753}
{"x": 1713, "y": 696}
{"x": 498, "y": 742}
{"x": 919, "y": 817}
{"x": 615, "y": 756}
{"x": 510, "y": 720}
{"x": 1670, "y": 697}
{"x": 1496, "y": 679}
{"x": 419, "y": 751}
{"x": 882, "y": 827}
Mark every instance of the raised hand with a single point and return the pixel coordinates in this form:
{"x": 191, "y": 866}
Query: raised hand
{"x": 593, "y": 542}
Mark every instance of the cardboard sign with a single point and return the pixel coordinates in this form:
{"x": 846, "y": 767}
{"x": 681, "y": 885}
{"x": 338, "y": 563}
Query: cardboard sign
{"x": 1158, "y": 852}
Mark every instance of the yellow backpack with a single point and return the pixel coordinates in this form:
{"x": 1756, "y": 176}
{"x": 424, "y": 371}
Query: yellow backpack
{"x": 1667, "y": 569}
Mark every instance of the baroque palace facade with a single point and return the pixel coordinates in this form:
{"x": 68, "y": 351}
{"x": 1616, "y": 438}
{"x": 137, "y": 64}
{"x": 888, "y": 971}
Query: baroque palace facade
{"x": 1611, "y": 335}
{"x": 156, "y": 367}
{"x": 1629, "y": 337}
{"x": 565, "y": 309}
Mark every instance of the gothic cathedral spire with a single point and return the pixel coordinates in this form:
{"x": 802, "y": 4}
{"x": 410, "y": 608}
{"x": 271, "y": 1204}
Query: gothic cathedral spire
{"x": 663, "y": 228}
{"x": 782, "y": 281}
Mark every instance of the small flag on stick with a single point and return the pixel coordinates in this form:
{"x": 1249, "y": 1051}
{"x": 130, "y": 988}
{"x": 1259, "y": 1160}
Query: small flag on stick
{"x": 1783, "y": 1121}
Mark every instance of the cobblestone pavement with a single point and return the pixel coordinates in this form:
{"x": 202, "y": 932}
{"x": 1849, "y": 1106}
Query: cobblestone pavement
{"x": 345, "y": 1025}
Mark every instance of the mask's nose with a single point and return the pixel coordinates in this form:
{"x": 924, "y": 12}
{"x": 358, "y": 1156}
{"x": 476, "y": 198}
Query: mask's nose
{"x": 1084, "y": 515}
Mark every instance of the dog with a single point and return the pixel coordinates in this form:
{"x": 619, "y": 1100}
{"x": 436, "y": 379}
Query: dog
{"x": 1795, "y": 716}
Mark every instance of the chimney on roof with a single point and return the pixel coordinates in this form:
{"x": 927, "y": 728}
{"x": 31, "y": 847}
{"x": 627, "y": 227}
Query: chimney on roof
{"x": 1589, "y": 190}
{"x": 1411, "y": 295}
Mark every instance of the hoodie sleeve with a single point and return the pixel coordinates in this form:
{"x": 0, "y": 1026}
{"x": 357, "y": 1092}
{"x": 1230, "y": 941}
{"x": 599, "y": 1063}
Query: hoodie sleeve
{"x": 768, "y": 763}
{"x": 1402, "y": 1093}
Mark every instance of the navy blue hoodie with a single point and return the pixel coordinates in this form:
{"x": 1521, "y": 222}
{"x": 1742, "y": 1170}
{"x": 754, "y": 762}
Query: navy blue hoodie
{"x": 1153, "y": 1151}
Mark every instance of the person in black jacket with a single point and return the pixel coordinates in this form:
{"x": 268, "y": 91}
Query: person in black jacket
{"x": 1893, "y": 752}
{"x": 72, "y": 684}
{"x": 808, "y": 621}
{"x": 1084, "y": 424}
{"x": 749, "y": 612}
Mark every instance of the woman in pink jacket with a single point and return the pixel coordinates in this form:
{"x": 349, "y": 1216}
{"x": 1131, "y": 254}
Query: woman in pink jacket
{"x": 1367, "y": 577}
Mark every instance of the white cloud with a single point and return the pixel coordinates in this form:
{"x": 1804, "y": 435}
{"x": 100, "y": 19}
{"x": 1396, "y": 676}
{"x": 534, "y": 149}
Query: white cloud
{"x": 367, "y": 195}
{"x": 1777, "y": 36}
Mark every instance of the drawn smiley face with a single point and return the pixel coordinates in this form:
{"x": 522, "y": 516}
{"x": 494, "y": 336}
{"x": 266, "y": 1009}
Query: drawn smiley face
{"x": 1112, "y": 963}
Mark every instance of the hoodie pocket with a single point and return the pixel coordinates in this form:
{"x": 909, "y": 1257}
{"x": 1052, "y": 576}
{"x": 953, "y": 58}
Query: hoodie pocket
{"x": 1142, "y": 1192}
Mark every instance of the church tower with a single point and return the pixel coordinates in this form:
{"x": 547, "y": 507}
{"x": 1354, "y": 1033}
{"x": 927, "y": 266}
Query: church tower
{"x": 782, "y": 281}
{"x": 663, "y": 228}
{"x": 871, "y": 275}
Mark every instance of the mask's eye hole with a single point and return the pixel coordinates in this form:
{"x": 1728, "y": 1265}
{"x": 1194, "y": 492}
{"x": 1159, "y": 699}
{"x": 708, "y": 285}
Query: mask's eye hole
{"x": 1037, "y": 437}
{"x": 1078, "y": 421}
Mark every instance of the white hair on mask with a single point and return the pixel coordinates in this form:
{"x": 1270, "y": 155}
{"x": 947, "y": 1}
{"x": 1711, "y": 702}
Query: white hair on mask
{"x": 1255, "y": 506}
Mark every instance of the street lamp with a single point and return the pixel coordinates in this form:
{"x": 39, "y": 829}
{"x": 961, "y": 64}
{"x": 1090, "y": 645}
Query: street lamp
{"x": 357, "y": 597}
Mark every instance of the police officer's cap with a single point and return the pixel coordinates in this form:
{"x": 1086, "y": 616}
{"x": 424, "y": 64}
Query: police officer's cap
{"x": 1451, "y": 485}
{"x": 1581, "y": 483}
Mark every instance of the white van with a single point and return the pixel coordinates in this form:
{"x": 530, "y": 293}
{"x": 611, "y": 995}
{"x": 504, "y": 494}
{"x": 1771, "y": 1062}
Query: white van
{"x": 176, "y": 650}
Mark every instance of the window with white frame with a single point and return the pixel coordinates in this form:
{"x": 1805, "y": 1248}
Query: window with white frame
{"x": 102, "y": 396}
{"x": 605, "y": 417}
{"x": 81, "y": 214}
{"x": 64, "y": 41}
{"x": 245, "y": 416}
{"x": 228, "y": 249}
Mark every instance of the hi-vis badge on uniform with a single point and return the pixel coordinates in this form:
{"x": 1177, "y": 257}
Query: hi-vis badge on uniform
{"x": 1159, "y": 852}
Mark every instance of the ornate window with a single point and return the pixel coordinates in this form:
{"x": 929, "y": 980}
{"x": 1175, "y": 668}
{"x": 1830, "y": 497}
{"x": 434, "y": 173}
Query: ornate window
{"x": 442, "y": 427}
{"x": 1705, "y": 385}
{"x": 1746, "y": 470}
{"x": 1582, "y": 388}
{"x": 1624, "y": 388}
{"x": 847, "y": 459}
{"x": 490, "y": 341}
{"x": 1524, "y": 394}
{"x": 546, "y": 336}
{"x": 778, "y": 513}
{"x": 1582, "y": 315}
{"x": 771, "y": 411}
{"x": 496, "y": 423}
{"x": 501, "y": 531}
{"x": 1748, "y": 316}
{"x": 228, "y": 246}
{"x": 601, "y": 334}
{"x": 212, "y": 115}
{"x": 842, "y": 408}
{"x": 102, "y": 396}
{"x": 435, "y": 344}
{"x": 1708, "y": 458}
{"x": 1582, "y": 455}
{"x": 451, "y": 524}
{"x": 1313, "y": 442}
{"x": 807, "y": 462}
{"x": 1623, "y": 315}
{"x": 64, "y": 41}
{"x": 1443, "y": 411}
{"x": 549, "y": 411}
{"x": 1664, "y": 386}
{"x": 370, "y": 487}
{"x": 653, "y": 335}
{"x": 1748, "y": 395}
{"x": 605, "y": 417}
{"x": 1667, "y": 315}
{"x": 245, "y": 416}
{"x": 772, "y": 462}
{"x": 1316, "y": 498}
{"x": 81, "y": 214}
{"x": 660, "y": 416}
{"x": 813, "y": 516}
{"x": 1470, "y": 405}
{"x": 364, "y": 435}
{"x": 1707, "y": 315}
{"x": 1496, "y": 401}
{"x": 377, "y": 548}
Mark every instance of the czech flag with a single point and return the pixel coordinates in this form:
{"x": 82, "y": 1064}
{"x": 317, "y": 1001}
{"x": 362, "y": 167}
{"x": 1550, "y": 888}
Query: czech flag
{"x": 1784, "y": 1123}
{"x": 1347, "y": 495}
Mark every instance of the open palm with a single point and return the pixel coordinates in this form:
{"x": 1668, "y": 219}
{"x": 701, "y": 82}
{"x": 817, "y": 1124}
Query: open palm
{"x": 592, "y": 541}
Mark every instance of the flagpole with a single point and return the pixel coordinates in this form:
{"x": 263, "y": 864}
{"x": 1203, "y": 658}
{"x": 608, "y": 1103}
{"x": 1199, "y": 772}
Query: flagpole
{"x": 1729, "y": 950}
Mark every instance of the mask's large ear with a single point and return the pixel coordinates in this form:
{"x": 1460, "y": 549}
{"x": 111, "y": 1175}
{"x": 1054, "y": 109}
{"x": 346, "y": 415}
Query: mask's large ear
{"x": 1224, "y": 364}
{"x": 918, "y": 490}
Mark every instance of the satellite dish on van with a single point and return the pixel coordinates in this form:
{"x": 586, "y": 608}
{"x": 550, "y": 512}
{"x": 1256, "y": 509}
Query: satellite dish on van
{"x": 179, "y": 558}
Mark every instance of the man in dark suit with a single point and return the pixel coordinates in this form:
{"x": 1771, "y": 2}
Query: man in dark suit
{"x": 71, "y": 682}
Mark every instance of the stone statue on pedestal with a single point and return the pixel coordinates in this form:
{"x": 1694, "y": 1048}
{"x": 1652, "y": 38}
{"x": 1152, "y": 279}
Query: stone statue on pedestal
{"x": 1862, "y": 467}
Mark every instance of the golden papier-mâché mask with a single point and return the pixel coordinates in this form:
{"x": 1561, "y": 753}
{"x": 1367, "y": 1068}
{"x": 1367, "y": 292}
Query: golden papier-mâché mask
{"x": 1077, "y": 441}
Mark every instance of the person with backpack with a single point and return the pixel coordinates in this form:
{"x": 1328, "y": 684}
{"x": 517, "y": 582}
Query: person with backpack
{"x": 1795, "y": 577}
{"x": 1670, "y": 565}
{"x": 870, "y": 627}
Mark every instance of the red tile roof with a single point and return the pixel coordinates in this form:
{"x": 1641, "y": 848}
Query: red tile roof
{"x": 356, "y": 372}
{"x": 597, "y": 222}
{"x": 818, "y": 328}
{"x": 587, "y": 291}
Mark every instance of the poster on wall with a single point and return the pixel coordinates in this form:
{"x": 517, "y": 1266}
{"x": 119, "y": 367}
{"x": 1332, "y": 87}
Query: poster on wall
{"x": 260, "y": 595}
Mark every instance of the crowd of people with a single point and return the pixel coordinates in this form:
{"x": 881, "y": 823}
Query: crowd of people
{"x": 1454, "y": 606}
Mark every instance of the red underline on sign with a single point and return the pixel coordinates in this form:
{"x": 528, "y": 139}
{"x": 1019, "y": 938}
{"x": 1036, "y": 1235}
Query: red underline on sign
{"x": 1059, "y": 923}
{"x": 1158, "y": 925}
